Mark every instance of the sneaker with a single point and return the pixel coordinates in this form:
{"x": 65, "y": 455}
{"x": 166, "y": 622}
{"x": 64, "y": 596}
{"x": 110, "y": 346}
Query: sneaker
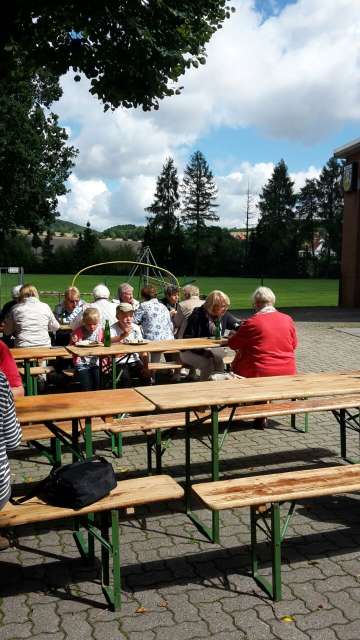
{"x": 4, "y": 543}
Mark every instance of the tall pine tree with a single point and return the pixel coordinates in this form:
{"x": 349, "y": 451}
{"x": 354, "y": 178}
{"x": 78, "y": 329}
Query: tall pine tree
{"x": 308, "y": 216}
{"x": 276, "y": 242}
{"x": 330, "y": 211}
{"x": 162, "y": 232}
{"x": 199, "y": 193}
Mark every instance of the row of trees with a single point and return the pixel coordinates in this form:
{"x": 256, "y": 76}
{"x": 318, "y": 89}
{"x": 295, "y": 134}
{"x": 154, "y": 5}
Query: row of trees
{"x": 176, "y": 225}
{"x": 297, "y": 234}
{"x": 38, "y": 256}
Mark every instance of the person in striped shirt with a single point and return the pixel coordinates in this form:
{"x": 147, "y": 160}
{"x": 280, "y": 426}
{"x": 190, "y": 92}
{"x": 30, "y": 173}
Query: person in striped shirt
{"x": 10, "y": 436}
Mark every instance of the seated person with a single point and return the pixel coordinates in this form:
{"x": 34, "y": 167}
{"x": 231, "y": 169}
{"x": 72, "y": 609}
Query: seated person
{"x": 66, "y": 312}
{"x": 103, "y": 304}
{"x": 185, "y": 309}
{"x": 265, "y": 343}
{"x": 154, "y": 318}
{"x": 15, "y": 292}
{"x": 9, "y": 368}
{"x": 202, "y": 324}
{"x": 171, "y": 299}
{"x": 70, "y": 307}
{"x": 125, "y": 294}
{"x": 124, "y": 330}
{"x": 30, "y": 321}
{"x": 87, "y": 367}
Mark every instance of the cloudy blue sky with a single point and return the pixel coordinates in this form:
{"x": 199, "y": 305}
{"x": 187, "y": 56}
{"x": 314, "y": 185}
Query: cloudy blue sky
{"x": 282, "y": 80}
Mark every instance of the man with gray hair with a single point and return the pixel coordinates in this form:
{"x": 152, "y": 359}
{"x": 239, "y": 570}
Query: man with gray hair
{"x": 185, "y": 309}
{"x": 125, "y": 294}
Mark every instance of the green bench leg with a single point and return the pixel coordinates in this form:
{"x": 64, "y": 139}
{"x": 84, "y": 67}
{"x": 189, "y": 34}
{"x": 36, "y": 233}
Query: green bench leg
{"x": 56, "y": 451}
{"x": 212, "y": 533}
{"x": 112, "y": 594}
{"x": 273, "y": 589}
{"x": 109, "y": 548}
{"x": 117, "y": 444}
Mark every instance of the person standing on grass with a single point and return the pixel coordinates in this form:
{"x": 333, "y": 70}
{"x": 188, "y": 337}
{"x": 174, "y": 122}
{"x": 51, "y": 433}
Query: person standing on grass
{"x": 265, "y": 343}
{"x": 10, "y": 436}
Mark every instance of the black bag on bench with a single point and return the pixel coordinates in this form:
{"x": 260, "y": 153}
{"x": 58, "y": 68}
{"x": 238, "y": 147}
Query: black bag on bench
{"x": 75, "y": 485}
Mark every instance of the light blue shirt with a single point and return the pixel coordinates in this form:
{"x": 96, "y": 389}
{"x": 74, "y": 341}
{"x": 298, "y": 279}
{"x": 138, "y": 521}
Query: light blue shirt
{"x": 155, "y": 320}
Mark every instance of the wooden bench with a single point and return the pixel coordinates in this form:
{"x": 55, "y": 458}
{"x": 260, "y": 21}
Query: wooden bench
{"x": 37, "y": 371}
{"x": 155, "y": 423}
{"x": 127, "y": 494}
{"x": 35, "y": 432}
{"x": 263, "y": 494}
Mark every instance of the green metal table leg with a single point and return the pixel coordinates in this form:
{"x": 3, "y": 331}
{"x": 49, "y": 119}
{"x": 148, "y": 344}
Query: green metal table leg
{"x": 28, "y": 379}
{"x": 342, "y": 421}
{"x": 215, "y": 468}
{"x": 105, "y": 551}
{"x": 115, "y": 539}
{"x": 75, "y": 437}
{"x": 88, "y": 438}
{"x": 113, "y": 372}
{"x": 187, "y": 462}
{"x": 56, "y": 451}
{"x": 149, "y": 453}
{"x": 158, "y": 451}
{"x": 276, "y": 550}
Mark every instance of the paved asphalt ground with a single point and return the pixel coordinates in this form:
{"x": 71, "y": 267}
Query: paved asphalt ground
{"x": 177, "y": 586}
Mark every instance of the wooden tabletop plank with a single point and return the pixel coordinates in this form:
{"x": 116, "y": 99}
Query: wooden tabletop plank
{"x": 127, "y": 493}
{"x": 154, "y": 346}
{"x": 38, "y": 353}
{"x": 83, "y": 404}
{"x": 199, "y": 394}
{"x": 278, "y": 487}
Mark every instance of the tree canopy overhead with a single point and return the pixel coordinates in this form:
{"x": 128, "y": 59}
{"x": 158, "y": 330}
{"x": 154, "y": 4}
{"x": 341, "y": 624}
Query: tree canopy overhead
{"x": 132, "y": 51}
{"x": 35, "y": 161}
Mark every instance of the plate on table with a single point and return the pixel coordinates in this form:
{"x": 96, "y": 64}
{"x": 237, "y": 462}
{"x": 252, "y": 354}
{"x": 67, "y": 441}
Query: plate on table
{"x": 137, "y": 342}
{"x": 87, "y": 343}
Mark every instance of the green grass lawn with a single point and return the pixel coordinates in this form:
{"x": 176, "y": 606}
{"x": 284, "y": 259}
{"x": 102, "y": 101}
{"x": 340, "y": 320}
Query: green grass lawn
{"x": 289, "y": 293}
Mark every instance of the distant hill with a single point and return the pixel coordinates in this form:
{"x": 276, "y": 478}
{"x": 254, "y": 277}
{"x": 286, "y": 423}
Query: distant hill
{"x": 63, "y": 226}
{"x": 125, "y": 231}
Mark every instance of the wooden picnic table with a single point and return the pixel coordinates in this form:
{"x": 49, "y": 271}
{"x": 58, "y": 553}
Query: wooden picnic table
{"x": 216, "y": 395}
{"x": 80, "y": 405}
{"x": 148, "y": 346}
{"x": 31, "y": 355}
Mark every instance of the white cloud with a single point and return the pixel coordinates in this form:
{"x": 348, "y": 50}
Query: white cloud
{"x": 86, "y": 202}
{"x": 233, "y": 190}
{"x": 294, "y": 76}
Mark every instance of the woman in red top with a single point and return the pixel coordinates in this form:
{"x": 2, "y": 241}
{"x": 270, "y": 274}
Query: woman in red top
{"x": 265, "y": 343}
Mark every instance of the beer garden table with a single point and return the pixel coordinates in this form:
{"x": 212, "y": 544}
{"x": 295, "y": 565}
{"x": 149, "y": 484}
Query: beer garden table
{"x": 216, "y": 395}
{"x": 31, "y": 355}
{"x": 80, "y": 405}
{"x": 119, "y": 349}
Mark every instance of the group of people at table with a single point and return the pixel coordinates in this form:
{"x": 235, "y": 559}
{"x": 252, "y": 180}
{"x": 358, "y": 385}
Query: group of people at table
{"x": 264, "y": 344}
